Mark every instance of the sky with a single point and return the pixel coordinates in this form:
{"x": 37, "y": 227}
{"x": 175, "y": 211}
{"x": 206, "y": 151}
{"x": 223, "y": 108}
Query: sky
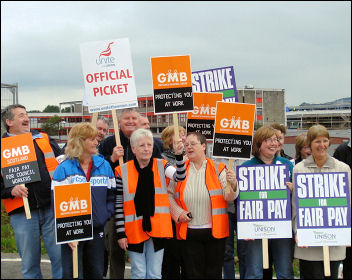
{"x": 300, "y": 46}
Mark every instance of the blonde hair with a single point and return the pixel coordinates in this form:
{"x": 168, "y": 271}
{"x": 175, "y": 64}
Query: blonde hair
{"x": 78, "y": 134}
{"x": 168, "y": 133}
{"x": 300, "y": 143}
{"x": 316, "y": 131}
{"x": 260, "y": 135}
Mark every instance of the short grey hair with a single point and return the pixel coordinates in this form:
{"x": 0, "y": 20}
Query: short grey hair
{"x": 139, "y": 134}
{"x": 7, "y": 114}
{"x": 102, "y": 118}
{"x": 128, "y": 110}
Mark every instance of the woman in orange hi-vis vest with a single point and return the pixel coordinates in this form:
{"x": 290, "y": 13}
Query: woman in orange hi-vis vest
{"x": 198, "y": 205}
{"x": 143, "y": 219}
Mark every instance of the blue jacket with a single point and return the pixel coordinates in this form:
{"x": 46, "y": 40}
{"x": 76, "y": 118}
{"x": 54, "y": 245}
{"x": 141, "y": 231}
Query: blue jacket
{"x": 277, "y": 160}
{"x": 102, "y": 182}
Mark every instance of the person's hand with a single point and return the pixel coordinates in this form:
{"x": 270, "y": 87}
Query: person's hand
{"x": 178, "y": 150}
{"x": 117, "y": 152}
{"x": 19, "y": 191}
{"x": 248, "y": 239}
{"x": 296, "y": 239}
{"x": 73, "y": 244}
{"x": 123, "y": 243}
{"x": 231, "y": 178}
{"x": 289, "y": 185}
{"x": 183, "y": 218}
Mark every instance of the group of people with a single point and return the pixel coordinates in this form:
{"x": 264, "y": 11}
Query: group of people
{"x": 168, "y": 204}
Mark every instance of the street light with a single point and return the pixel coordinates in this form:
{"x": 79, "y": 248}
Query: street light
{"x": 61, "y": 124}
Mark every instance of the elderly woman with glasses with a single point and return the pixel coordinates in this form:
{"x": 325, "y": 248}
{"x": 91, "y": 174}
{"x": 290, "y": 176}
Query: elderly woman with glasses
{"x": 264, "y": 149}
{"x": 198, "y": 206}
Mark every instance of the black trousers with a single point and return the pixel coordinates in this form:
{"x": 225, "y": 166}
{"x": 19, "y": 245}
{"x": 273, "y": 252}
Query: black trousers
{"x": 203, "y": 255}
{"x": 315, "y": 269}
{"x": 347, "y": 264}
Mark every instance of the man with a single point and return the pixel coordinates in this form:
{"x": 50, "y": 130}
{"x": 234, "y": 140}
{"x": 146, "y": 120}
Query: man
{"x": 128, "y": 122}
{"x": 143, "y": 122}
{"x": 41, "y": 224}
{"x": 102, "y": 126}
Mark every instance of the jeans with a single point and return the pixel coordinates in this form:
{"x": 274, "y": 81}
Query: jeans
{"x": 90, "y": 257}
{"x": 27, "y": 234}
{"x": 229, "y": 262}
{"x": 282, "y": 258}
{"x": 146, "y": 265}
{"x": 241, "y": 253}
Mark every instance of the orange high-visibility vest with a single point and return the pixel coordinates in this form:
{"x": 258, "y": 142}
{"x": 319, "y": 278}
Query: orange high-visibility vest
{"x": 220, "y": 222}
{"x": 50, "y": 162}
{"x": 161, "y": 221}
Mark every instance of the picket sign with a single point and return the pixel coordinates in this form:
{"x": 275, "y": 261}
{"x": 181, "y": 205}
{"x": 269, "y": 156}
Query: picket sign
{"x": 228, "y": 185}
{"x": 75, "y": 260}
{"x": 117, "y": 133}
{"x": 26, "y": 206}
{"x": 176, "y": 132}
{"x": 94, "y": 119}
{"x": 265, "y": 253}
{"x": 326, "y": 261}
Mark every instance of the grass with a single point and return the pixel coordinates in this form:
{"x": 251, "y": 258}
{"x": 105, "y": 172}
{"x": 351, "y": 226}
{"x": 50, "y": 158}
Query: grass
{"x": 8, "y": 241}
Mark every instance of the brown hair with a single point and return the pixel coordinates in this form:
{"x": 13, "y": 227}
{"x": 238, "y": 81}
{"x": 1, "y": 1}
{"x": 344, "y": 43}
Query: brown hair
{"x": 78, "y": 134}
{"x": 168, "y": 133}
{"x": 300, "y": 143}
{"x": 201, "y": 138}
{"x": 278, "y": 126}
{"x": 316, "y": 131}
{"x": 260, "y": 135}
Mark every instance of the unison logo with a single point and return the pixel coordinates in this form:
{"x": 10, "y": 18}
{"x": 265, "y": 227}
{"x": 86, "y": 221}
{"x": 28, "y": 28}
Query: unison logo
{"x": 320, "y": 235}
{"x": 104, "y": 58}
{"x": 263, "y": 229}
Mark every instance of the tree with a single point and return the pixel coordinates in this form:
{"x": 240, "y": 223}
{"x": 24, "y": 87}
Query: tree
{"x": 52, "y": 125}
{"x": 68, "y": 109}
{"x": 51, "y": 109}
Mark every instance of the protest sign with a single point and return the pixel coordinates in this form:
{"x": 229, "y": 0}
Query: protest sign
{"x": 202, "y": 117}
{"x": 172, "y": 84}
{"x": 234, "y": 124}
{"x": 108, "y": 75}
{"x": 263, "y": 205}
{"x": 73, "y": 213}
{"x": 216, "y": 80}
{"x": 323, "y": 209}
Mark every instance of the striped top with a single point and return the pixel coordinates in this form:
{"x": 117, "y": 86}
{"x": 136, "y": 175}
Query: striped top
{"x": 175, "y": 174}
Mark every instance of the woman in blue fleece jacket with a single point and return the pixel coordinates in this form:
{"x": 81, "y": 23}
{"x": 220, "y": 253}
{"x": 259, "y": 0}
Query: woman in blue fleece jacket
{"x": 82, "y": 164}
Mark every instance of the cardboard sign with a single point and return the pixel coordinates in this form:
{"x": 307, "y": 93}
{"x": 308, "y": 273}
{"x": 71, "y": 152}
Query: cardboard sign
{"x": 202, "y": 117}
{"x": 234, "y": 124}
{"x": 108, "y": 75}
{"x": 73, "y": 213}
{"x": 172, "y": 84}
{"x": 264, "y": 204}
{"x": 323, "y": 209}
{"x": 18, "y": 160}
{"x": 216, "y": 80}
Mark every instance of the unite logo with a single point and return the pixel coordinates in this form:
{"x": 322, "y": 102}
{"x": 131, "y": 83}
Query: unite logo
{"x": 234, "y": 123}
{"x": 106, "y": 60}
{"x": 172, "y": 77}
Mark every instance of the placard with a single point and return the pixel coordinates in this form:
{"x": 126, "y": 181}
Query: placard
{"x": 73, "y": 213}
{"x": 234, "y": 124}
{"x": 202, "y": 118}
{"x": 216, "y": 80}
{"x": 18, "y": 160}
{"x": 263, "y": 204}
{"x": 323, "y": 209}
{"x": 108, "y": 75}
{"x": 172, "y": 84}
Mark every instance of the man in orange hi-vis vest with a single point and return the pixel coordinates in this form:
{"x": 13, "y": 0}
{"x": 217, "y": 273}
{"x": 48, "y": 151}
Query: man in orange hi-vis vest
{"x": 42, "y": 223}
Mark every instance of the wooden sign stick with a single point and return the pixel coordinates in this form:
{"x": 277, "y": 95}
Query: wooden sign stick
{"x": 117, "y": 133}
{"x": 26, "y": 206}
{"x": 94, "y": 119}
{"x": 230, "y": 167}
{"x": 265, "y": 253}
{"x": 326, "y": 261}
{"x": 176, "y": 132}
{"x": 75, "y": 261}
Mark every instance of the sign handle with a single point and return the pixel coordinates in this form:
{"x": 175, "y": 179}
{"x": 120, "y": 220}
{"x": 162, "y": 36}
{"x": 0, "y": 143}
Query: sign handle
{"x": 75, "y": 261}
{"x": 94, "y": 119}
{"x": 117, "y": 133}
{"x": 176, "y": 132}
{"x": 326, "y": 261}
{"x": 230, "y": 167}
{"x": 26, "y": 207}
{"x": 265, "y": 253}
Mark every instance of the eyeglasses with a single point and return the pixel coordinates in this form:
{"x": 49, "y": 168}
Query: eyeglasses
{"x": 192, "y": 144}
{"x": 271, "y": 140}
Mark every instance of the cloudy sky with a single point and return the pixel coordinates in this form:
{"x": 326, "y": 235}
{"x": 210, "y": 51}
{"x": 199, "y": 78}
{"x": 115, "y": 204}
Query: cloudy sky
{"x": 302, "y": 47}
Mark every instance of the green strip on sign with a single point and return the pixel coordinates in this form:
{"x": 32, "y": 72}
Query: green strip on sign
{"x": 228, "y": 93}
{"x": 263, "y": 195}
{"x": 318, "y": 202}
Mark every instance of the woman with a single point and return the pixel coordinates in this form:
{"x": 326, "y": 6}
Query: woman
{"x": 82, "y": 164}
{"x": 311, "y": 258}
{"x": 264, "y": 150}
{"x": 172, "y": 267}
{"x": 281, "y": 132}
{"x": 201, "y": 210}
{"x": 302, "y": 150}
{"x": 143, "y": 218}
